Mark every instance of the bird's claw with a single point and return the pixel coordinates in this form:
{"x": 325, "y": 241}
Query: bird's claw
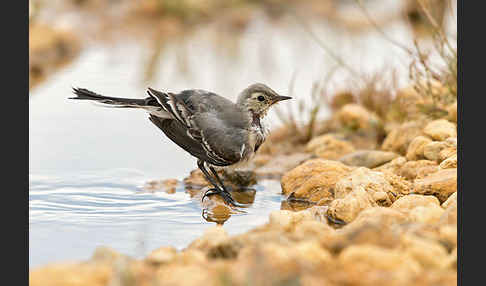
{"x": 224, "y": 194}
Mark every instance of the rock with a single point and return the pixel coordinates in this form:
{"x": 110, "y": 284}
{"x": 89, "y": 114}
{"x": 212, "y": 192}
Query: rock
{"x": 284, "y": 219}
{"x": 314, "y": 180}
{"x": 329, "y": 147}
{"x": 311, "y": 255}
{"x": 373, "y": 226}
{"x": 368, "y": 158}
{"x": 451, "y": 200}
{"x": 279, "y": 164}
{"x": 211, "y": 237}
{"x": 393, "y": 166}
{"x": 239, "y": 178}
{"x": 440, "y": 184}
{"x": 438, "y": 151}
{"x": 260, "y": 159}
{"x": 191, "y": 256}
{"x": 161, "y": 255}
{"x": 430, "y": 214}
{"x": 452, "y": 112}
{"x": 354, "y": 116}
{"x": 196, "y": 179}
{"x": 377, "y": 266}
{"x": 281, "y": 219}
{"x": 169, "y": 185}
{"x": 415, "y": 150}
{"x": 319, "y": 212}
{"x": 106, "y": 254}
{"x": 347, "y": 208}
{"x": 191, "y": 275}
{"x": 312, "y": 229}
{"x": 293, "y": 204}
{"x": 72, "y": 274}
{"x": 449, "y": 163}
{"x": 398, "y": 183}
{"x": 374, "y": 183}
{"x": 400, "y": 137}
{"x": 428, "y": 253}
{"x": 448, "y": 235}
{"x": 450, "y": 215}
{"x": 409, "y": 202}
{"x": 452, "y": 260}
{"x": 448, "y": 152}
{"x": 277, "y": 258}
{"x": 418, "y": 169}
{"x": 440, "y": 129}
{"x": 232, "y": 179}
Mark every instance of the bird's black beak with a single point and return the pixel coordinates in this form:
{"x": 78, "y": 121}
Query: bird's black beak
{"x": 281, "y": 97}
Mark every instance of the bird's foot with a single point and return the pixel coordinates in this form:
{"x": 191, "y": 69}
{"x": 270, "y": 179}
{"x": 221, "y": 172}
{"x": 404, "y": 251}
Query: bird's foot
{"x": 224, "y": 194}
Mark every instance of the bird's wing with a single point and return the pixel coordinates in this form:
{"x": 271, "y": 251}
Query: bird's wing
{"x": 178, "y": 134}
{"x": 201, "y": 128}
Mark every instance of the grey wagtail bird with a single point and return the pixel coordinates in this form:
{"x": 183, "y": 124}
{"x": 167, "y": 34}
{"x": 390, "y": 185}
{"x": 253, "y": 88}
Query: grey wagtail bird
{"x": 218, "y": 132}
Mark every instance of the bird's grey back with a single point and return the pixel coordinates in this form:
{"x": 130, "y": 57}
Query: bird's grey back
{"x": 213, "y": 107}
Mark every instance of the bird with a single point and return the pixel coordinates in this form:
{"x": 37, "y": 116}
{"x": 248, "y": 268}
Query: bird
{"x": 220, "y": 133}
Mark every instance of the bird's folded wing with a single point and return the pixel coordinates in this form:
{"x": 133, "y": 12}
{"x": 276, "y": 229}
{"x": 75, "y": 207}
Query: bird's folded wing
{"x": 221, "y": 138}
{"x": 178, "y": 134}
{"x": 202, "y": 128}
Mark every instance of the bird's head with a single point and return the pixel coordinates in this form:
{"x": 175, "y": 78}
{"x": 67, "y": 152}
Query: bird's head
{"x": 257, "y": 98}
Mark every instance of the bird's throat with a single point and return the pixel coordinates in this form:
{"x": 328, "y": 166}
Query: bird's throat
{"x": 255, "y": 120}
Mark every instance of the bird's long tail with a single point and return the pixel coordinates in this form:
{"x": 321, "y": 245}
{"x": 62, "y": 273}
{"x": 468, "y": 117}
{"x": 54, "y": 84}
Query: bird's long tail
{"x": 84, "y": 94}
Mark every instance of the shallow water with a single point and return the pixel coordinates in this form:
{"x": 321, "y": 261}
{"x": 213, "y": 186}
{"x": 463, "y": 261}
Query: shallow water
{"x": 88, "y": 164}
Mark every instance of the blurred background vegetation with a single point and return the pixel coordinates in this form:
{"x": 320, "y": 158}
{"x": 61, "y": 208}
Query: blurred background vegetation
{"x": 60, "y": 30}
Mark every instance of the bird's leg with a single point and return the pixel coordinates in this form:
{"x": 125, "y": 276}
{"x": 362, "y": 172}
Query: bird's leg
{"x": 217, "y": 189}
{"x": 215, "y": 174}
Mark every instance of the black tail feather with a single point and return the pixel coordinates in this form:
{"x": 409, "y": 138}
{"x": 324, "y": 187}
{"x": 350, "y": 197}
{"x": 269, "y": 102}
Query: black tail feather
{"x": 85, "y": 94}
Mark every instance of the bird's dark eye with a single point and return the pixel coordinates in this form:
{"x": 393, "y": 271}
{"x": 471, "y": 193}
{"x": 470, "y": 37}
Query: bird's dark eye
{"x": 261, "y": 98}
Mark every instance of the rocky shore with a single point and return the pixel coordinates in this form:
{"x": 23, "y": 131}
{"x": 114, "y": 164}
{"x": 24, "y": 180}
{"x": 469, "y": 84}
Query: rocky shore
{"x": 371, "y": 199}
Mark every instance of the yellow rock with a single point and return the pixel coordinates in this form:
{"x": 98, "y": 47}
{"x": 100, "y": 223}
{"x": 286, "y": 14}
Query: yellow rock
{"x": 430, "y": 254}
{"x": 329, "y": 147}
{"x": 347, "y": 208}
{"x": 311, "y": 255}
{"x": 450, "y": 214}
{"x": 393, "y": 166}
{"x": 418, "y": 169}
{"x": 415, "y": 150}
{"x": 440, "y": 129}
{"x": 373, "y": 265}
{"x": 380, "y": 216}
{"x": 161, "y": 255}
{"x": 72, "y": 274}
{"x": 314, "y": 179}
{"x": 355, "y": 116}
{"x": 451, "y": 200}
{"x": 368, "y": 158}
{"x": 400, "y": 137}
{"x": 452, "y": 110}
{"x": 430, "y": 214}
{"x": 440, "y": 184}
{"x": 374, "y": 183}
{"x": 191, "y": 275}
{"x": 448, "y": 235}
{"x": 409, "y": 202}
{"x": 211, "y": 237}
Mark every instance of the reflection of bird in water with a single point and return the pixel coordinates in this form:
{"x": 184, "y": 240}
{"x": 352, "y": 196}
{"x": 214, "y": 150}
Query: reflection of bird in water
{"x": 218, "y": 132}
{"x": 218, "y": 217}
{"x": 216, "y": 211}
